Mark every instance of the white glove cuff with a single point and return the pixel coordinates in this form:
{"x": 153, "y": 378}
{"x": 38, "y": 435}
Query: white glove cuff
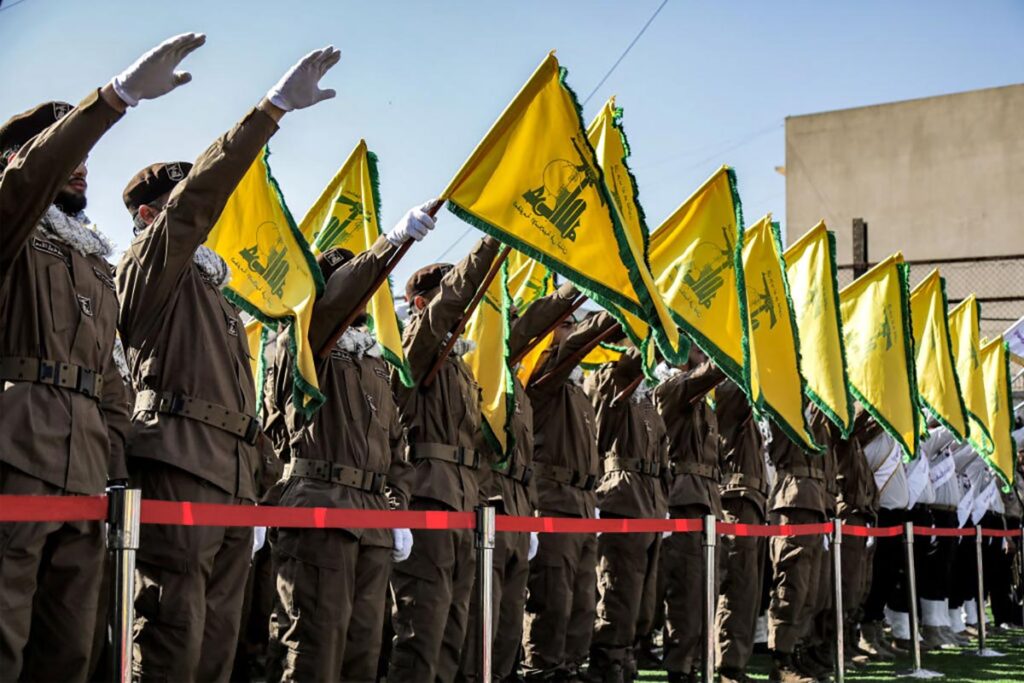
{"x": 118, "y": 85}
{"x": 278, "y": 101}
{"x": 396, "y": 237}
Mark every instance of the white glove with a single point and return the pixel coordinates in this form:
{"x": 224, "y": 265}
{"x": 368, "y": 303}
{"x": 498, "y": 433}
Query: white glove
{"x": 597, "y": 515}
{"x": 403, "y": 544}
{"x": 825, "y": 541}
{"x": 666, "y": 534}
{"x": 415, "y": 225}
{"x": 299, "y": 87}
{"x": 153, "y": 74}
{"x": 259, "y": 537}
{"x": 534, "y": 544}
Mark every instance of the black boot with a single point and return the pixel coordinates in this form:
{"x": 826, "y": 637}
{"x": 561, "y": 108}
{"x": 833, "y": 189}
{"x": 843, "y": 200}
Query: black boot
{"x": 784, "y": 670}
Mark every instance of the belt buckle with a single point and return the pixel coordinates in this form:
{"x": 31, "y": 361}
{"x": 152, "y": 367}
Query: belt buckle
{"x": 173, "y": 404}
{"x": 86, "y": 383}
{"x": 378, "y": 482}
{"x": 49, "y": 372}
{"x": 527, "y": 475}
{"x": 252, "y": 432}
{"x": 588, "y": 483}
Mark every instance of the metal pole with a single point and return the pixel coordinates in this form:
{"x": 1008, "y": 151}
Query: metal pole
{"x": 915, "y": 644}
{"x": 981, "y": 590}
{"x": 485, "y": 584}
{"x": 837, "y": 580}
{"x": 710, "y": 541}
{"x": 122, "y": 542}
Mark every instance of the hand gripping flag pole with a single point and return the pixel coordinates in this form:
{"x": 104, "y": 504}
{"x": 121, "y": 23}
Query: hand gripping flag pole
{"x": 122, "y": 542}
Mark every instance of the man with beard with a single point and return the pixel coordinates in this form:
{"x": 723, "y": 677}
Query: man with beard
{"x": 194, "y": 437}
{"x": 63, "y": 416}
{"x": 329, "y": 609}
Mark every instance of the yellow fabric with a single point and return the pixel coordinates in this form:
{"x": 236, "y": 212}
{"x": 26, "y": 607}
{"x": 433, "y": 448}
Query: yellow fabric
{"x": 600, "y": 355}
{"x": 694, "y": 256}
{"x": 534, "y": 183}
{"x": 254, "y": 336}
{"x": 998, "y": 409}
{"x": 608, "y": 140}
{"x": 811, "y": 271}
{"x": 880, "y": 350}
{"x": 488, "y": 329}
{"x": 776, "y": 387}
{"x": 528, "y": 281}
{"x": 346, "y": 215}
{"x": 273, "y": 274}
{"x": 964, "y": 333}
{"x": 937, "y": 383}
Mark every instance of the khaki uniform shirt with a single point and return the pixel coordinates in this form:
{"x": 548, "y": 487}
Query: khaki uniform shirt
{"x": 692, "y": 435}
{"x": 743, "y": 468}
{"x": 57, "y": 305}
{"x": 510, "y": 495}
{"x": 180, "y": 333}
{"x": 802, "y": 475}
{"x": 857, "y": 489}
{"x": 448, "y": 411}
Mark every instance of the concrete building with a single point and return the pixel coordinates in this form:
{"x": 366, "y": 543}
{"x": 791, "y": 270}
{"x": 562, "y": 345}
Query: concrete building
{"x": 937, "y": 178}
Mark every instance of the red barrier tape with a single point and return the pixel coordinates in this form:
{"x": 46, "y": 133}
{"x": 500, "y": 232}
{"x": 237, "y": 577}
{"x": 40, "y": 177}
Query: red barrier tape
{"x": 1000, "y": 533}
{"x": 574, "y": 525}
{"x": 932, "y": 531}
{"x": 765, "y": 530}
{"x": 872, "y": 531}
{"x": 53, "y": 508}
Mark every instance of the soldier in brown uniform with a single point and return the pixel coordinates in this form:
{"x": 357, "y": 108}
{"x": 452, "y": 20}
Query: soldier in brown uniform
{"x": 442, "y": 421}
{"x": 63, "y": 411}
{"x": 195, "y": 434}
{"x": 799, "y": 497}
{"x": 329, "y": 613}
{"x": 692, "y": 427}
{"x": 562, "y": 586}
{"x": 744, "y": 499}
{"x": 632, "y": 441}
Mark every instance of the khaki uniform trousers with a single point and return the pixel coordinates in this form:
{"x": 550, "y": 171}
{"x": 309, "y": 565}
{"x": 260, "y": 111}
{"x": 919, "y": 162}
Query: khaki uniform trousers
{"x": 562, "y": 598}
{"x": 683, "y": 555}
{"x": 431, "y": 590}
{"x": 856, "y": 572}
{"x": 511, "y": 572}
{"x": 189, "y": 583}
{"x": 627, "y": 578}
{"x": 742, "y": 580}
{"x": 50, "y": 579}
{"x": 796, "y": 573}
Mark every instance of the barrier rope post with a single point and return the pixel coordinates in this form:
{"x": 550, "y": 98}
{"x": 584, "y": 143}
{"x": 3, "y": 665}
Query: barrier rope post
{"x": 978, "y": 545}
{"x": 122, "y": 542}
{"x": 710, "y": 543}
{"x": 485, "y": 584}
{"x": 915, "y": 643}
{"x": 837, "y": 582}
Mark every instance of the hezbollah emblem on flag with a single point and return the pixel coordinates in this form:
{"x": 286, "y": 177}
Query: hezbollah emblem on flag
{"x": 556, "y": 204}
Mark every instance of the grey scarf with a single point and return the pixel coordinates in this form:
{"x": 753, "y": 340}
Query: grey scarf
{"x": 76, "y": 231}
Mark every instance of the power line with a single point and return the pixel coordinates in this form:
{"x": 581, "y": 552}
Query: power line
{"x": 625, "y": 52}
{"x": 10, "y": 5}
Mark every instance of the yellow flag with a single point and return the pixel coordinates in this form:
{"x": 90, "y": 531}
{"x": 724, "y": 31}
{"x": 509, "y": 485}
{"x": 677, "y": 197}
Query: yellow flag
{"x": 488, "y": 329}
{"x": 609, "y": 140}
{"x": 346, "y": 215}
{"x": 274, "y": 277}
{"x": 604, "y": 353}
{"x": 528, "y": 280}
{"x": 938, "y": 386}
{"x": 880, "y": 349}
{"x": 696, "y": 262}
{"x": 963, "y": 331}
{"x": 776, "y": 385}
{"x": 811, "y": 271}
{"x": 534, "y": 183}
{"x": 995, "y": 371}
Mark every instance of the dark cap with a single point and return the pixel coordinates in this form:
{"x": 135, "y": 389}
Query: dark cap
{"x": 22, "y": 127}
{"x": 154, "y": 182}
{"x": 333, "y": 259}
{"x": 425, "y": 280}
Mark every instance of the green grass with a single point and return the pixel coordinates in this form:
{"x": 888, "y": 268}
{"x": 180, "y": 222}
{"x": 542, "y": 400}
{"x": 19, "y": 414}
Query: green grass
{"x": 956, "y": 665}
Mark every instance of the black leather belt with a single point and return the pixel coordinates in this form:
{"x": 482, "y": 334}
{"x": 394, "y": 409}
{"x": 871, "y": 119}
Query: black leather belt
{"x": 639, "y": 465}
{"x": 566, "y": 476}
{"x": 325, "y": 470}
{"x": 63, "y": 375}
{"x": 804, "y": 471}
{"x": 457, "y": 455}
{"x": 696, "y": 468}
{"x": 243, "y": 426}
{"x": 521, "y": 473}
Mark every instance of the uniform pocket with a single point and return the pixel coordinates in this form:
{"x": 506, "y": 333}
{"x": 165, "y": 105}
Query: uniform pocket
{"x": 63, "y": 301}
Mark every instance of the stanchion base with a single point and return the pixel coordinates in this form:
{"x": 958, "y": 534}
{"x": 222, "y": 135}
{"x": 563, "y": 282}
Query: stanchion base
{"x": 919, "y": 673}
{"x": 988, "y": 652}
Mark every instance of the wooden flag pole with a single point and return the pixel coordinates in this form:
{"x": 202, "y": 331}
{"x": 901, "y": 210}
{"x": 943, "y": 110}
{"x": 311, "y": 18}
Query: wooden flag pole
{"x": 368, "y": 294}
{"x": 514, "y": 360}
{"x": 628, "y": 391}
{"x": 454, "y": 337}
{"x": 578, "y": 356}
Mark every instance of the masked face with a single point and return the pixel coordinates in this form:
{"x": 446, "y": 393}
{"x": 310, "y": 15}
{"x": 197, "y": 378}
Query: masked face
{"x": 71, "y": 199}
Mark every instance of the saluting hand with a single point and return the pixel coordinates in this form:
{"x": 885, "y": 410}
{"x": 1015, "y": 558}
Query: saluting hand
{"x": 153, "y": 74}
{"x": 300, "y": 86}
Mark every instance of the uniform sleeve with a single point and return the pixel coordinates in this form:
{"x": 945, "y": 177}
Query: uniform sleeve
{"x": 41, "y": 168}
{"x": 686, "y": 388}
{"x": 431, "y": 327}
{"x": 582, "y": 335}
{"x": 117, "y": 415}
{"x": 345, "y": 288}
{"x": 539, "y": 316}
{"x": 157, "y": 259}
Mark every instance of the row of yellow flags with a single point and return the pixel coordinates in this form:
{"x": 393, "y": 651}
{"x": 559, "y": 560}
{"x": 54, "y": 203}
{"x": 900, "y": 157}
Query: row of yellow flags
{"x": 563, "y": 197}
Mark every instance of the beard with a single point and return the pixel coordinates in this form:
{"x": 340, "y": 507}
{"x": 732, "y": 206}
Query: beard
{"x": 71, "y": 203}
{"x": 360, "y": 320}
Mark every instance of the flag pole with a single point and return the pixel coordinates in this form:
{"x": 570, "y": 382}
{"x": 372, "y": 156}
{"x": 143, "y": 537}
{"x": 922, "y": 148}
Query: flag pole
{"x": 628, "y": 391}
{"x": 514, "y": 360}
{"x": 454, "y": 337}
{"x": 578, "y": 356}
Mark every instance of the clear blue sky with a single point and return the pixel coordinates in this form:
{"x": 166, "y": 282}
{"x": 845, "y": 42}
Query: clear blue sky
{"x": 709, "y": 83}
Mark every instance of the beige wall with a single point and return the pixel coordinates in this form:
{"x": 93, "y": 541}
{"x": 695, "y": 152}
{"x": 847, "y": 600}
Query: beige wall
{"x": 936, "y": 178}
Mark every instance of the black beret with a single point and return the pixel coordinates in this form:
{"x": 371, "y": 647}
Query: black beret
{"x": 154, "y": 182}
{"x": 425, "y": 280}
{"x": 333, "y": 259}
{"x": 22, "y": 127}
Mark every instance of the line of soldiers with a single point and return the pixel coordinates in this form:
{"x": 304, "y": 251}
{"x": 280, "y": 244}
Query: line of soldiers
{"x": 178, "y": 420}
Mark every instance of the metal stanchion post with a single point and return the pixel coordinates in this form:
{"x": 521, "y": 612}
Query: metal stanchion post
{"x": 837, "y": 581}
{"x": 915, "y": 643}
{"x": 122, "y": 542}
{"x": 710, "y": 543}
{"x": 485, "y": 584}
{"x": 981, "y": 589}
